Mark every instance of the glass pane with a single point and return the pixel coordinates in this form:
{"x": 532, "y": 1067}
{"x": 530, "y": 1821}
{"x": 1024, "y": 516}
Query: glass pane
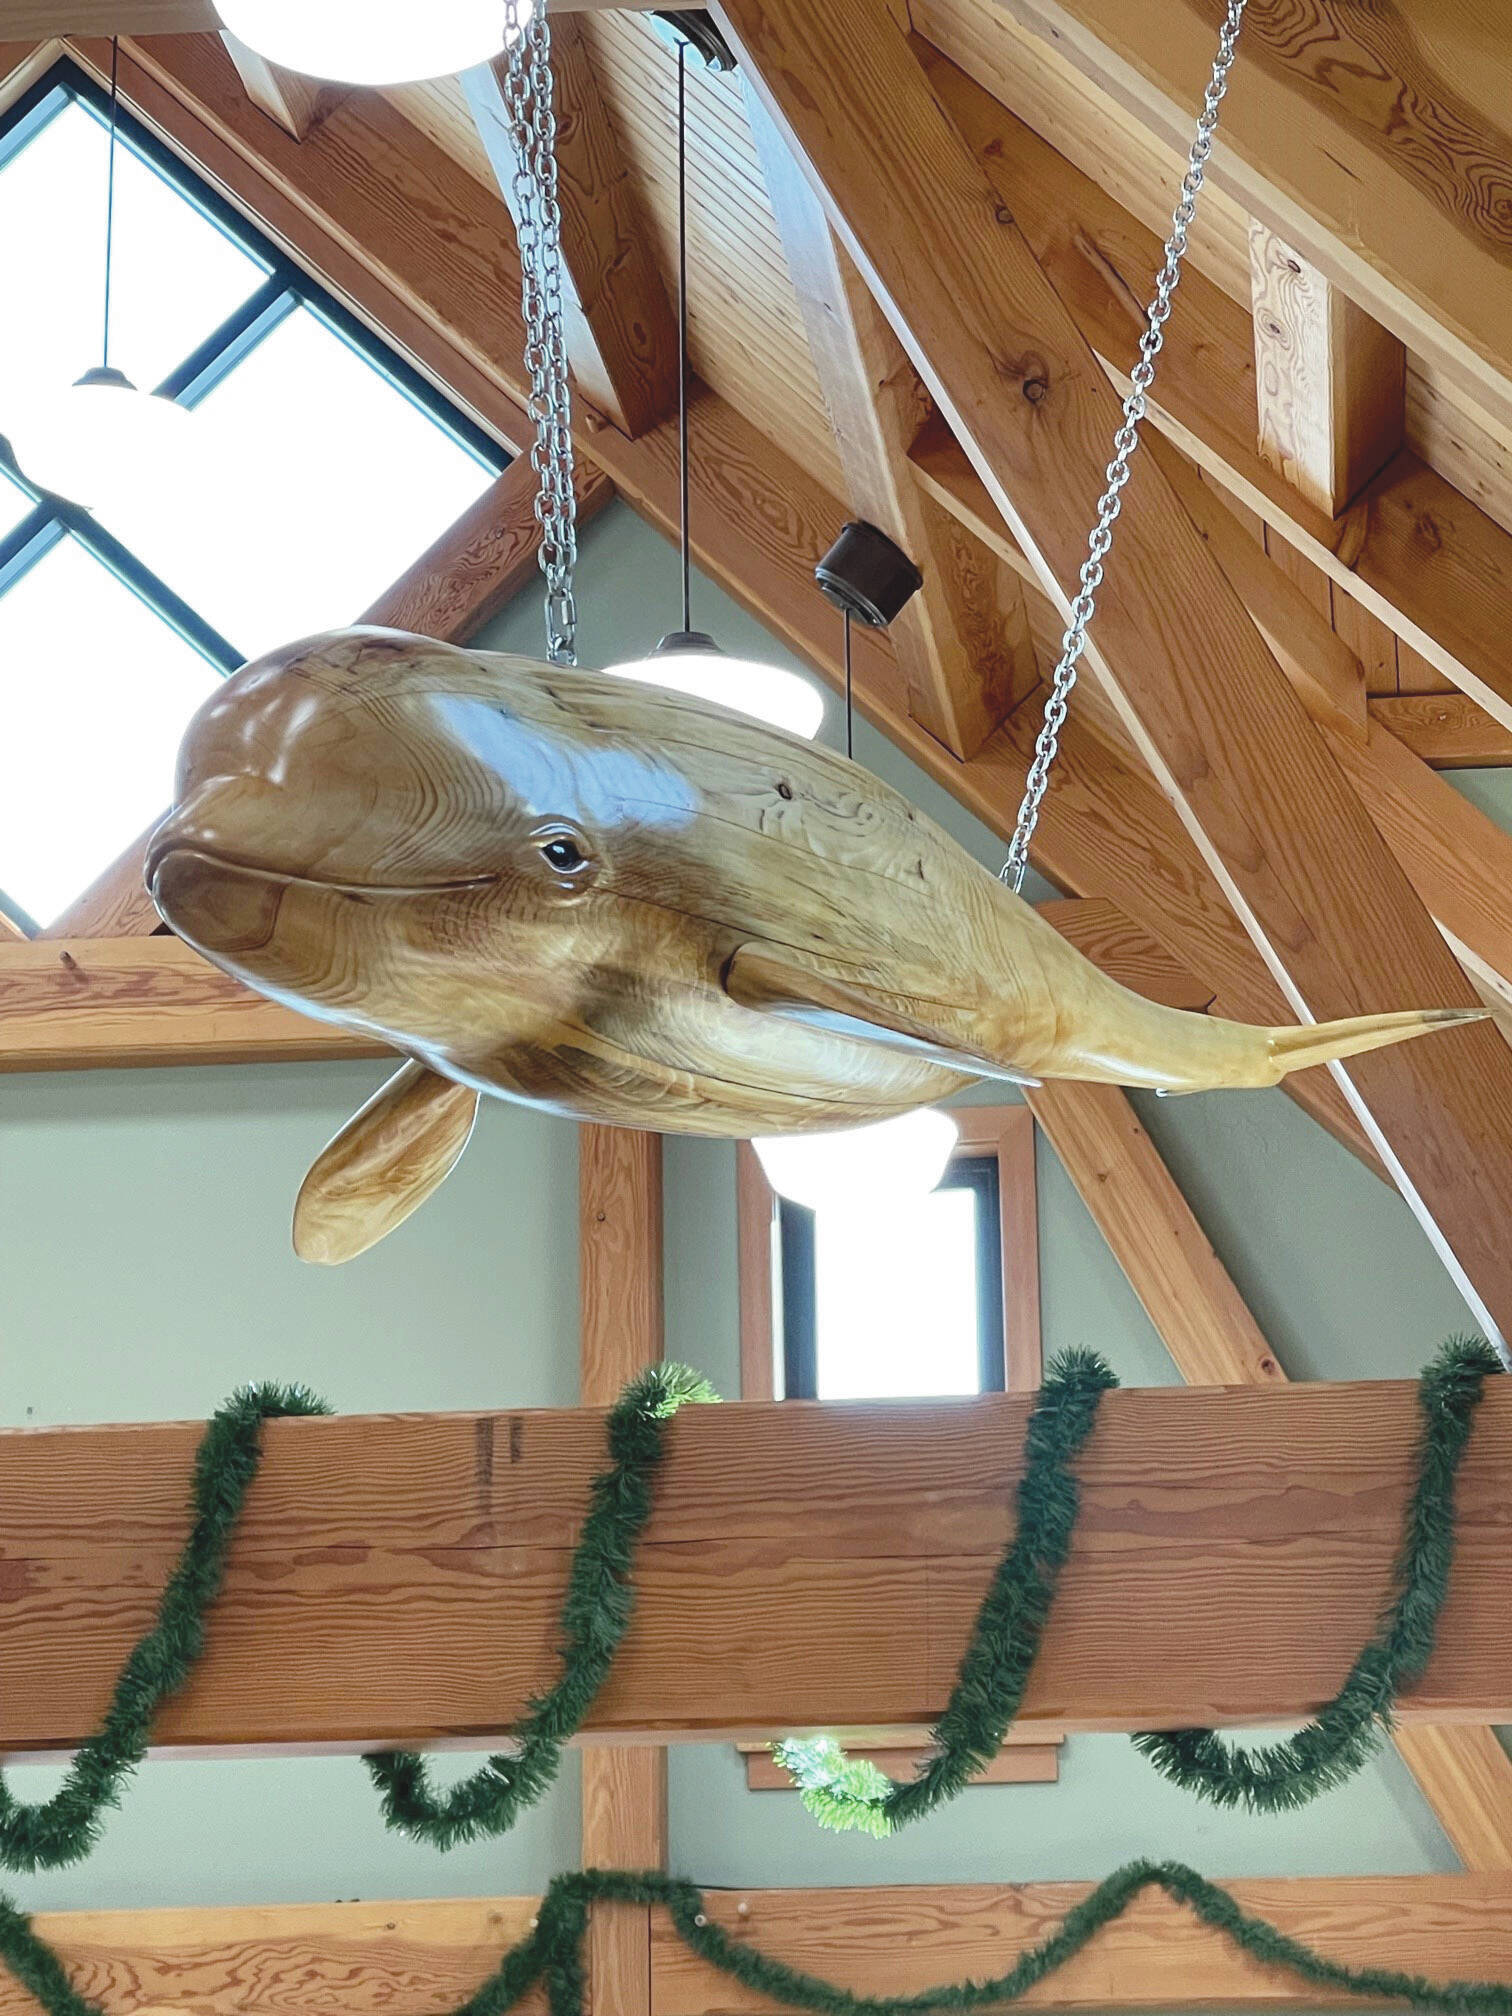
{"x": 895, "y": 1299}
{"x": 328, "y": 484}
{"x": 94, "y": 694}
{"x": 176, "y": 276}
{"x": 14, "y": 503}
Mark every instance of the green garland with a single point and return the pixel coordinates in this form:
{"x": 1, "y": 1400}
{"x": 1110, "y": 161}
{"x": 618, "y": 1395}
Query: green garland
{"x": 595, "y": 1616}
{"x": 64, "y": 1828}
{"x": 595, "y": 1612}
{"x": 600, "y": 1594}
{"x": 553, "y": 1954}
{"x": 846, "y": 1795}
{"x": 1005, "y": 1640}
{"x": 1346, "y": 1733}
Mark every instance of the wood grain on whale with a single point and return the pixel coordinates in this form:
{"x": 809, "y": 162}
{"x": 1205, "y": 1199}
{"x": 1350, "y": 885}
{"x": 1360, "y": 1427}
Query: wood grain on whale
{"x": 629, "y": 907}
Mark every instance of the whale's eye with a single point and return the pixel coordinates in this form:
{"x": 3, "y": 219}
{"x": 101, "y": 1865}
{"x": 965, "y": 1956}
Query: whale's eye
{"x": 563, "y": 852}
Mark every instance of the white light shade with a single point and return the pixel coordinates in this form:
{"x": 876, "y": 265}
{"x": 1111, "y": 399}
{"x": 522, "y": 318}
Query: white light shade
{"x": 884, "y": 1162}
{"x": 94, "y": 440}
{"x": 689, "y": 662}
{"x": 371, "y": 41}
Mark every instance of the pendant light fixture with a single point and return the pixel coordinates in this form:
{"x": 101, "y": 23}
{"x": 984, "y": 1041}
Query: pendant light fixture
{"x": 689, "y": 660}
{"x": 887, "y": 1162}
{"x": 100, "y": 435}
{"x": 370, "y": 41}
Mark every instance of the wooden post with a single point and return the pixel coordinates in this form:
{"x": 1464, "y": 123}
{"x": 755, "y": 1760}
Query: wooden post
{"x": 1330, "y": 382}
{"x": 624, "y": 1790}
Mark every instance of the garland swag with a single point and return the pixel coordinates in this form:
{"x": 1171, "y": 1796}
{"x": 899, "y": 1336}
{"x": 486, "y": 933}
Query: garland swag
{"x": 553, "y": 1954}
{"x": 600, "y": 1595}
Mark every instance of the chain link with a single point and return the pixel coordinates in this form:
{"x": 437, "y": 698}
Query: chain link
{"x": 1125, "y": 441}
{"x": 530, "y": 101}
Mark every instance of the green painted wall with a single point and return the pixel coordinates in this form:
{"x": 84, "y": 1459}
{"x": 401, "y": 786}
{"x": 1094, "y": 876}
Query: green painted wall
{"x": 144, "y": 1272}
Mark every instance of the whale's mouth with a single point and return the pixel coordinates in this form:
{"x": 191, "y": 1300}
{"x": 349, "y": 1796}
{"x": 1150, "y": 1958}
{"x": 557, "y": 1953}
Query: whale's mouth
{"x": 159, "y": 857}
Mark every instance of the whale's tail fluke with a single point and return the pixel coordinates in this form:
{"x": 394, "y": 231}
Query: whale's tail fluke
{"x": 1324, "y": 1042}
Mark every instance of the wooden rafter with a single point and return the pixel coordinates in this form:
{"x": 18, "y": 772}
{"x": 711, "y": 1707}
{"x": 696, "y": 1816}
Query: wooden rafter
{"x": 621, "y": 334}
{"x": 246, "y": 1961}
{"x": 1417, "y": 553}
{"x": 771, "y": 1589}
{"x": 620, "y": 1296}
{"x": 296, "y": 102}
{"x": 1459, "y": 860}
{"x": 963, "y": 644}
{"x": 1197, "y": 690}
{"x": 1447, "y": 730}
{"x": 1380, "y": 188}
{"x": 1331, "y": 383}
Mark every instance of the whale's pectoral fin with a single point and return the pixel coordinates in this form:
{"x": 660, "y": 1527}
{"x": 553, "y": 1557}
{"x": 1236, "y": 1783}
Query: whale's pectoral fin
{"x": 383, "y": 1164}
{"x": 776, "y": 981}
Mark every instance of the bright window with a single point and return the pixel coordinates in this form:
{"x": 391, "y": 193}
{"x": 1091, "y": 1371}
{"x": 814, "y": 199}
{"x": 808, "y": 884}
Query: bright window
{"x": 322, "y": 468}
{"x": 901, "y": 1302}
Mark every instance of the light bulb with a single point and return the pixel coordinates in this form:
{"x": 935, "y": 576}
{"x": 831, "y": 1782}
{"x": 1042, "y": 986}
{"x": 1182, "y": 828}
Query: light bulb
{"x": 689, "y": 661}
{"x": 371, "y": 41}
{"x": 882, "y": 1162}
{"x": 91, "y": 441}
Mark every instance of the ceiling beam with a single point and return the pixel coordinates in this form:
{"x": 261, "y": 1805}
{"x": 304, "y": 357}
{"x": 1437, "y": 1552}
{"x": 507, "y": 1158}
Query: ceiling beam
{"x": 621, "y": 332}
{"x": 963, "y": 643}
{"x": 1447, "y": 730}
{"x": 760, "y": 521}
{"x": 111, "y": 1002}
{"x": 295, "y": 101}
{"x": 1331, "y": 383}
{"x": 881, "y": 1940}
{"x": 1204, "y": 701}
{"x": 1381, "y": 187}
{"x": 1458, "y": 860}
{"x": 1414, "y": 551}
{"x": 762, "y": 1602}
{"x": 885, "y": 1942}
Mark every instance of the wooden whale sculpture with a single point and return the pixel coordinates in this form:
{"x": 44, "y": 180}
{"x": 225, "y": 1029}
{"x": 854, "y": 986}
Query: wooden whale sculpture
{"x": 623, "y": 905}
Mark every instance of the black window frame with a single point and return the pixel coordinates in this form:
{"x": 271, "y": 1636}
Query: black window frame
{"x": 285, "y": 289}
{"x": 978, "y": 1173}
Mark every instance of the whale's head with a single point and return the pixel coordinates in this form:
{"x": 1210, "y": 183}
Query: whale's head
{"x": 417, "y": 840}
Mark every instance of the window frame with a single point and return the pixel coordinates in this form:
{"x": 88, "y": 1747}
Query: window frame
{"x": 285, "y": 289}
{"x": 1005, "y": 1133}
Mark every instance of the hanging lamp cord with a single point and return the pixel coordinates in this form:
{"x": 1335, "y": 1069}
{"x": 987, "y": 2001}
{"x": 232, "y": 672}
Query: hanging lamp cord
{"x": 110, "y": 180}
{"x": 682, "y": 333}
{"x": 1125, "y": 441}
{"x": 850, "y": 689}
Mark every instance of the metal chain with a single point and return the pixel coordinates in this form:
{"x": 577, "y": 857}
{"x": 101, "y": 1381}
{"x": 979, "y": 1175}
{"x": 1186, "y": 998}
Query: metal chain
{"x": 1125, "y": 441}
{"x": 530, "y": 101}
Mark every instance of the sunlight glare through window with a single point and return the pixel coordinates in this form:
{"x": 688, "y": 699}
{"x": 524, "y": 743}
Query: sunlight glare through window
{"x": 895, "y": 1299}
{"x": 176, "y": 276}
{"x": 328, "y": 483}
{"x": 93, "y": 711}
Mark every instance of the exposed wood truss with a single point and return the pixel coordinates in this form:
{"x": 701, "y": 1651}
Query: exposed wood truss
{"x": 295, "y": 102}
{"x": 621, "y": 335}
{"x": 963, "y": 644}
{"x": 782, "y": 1582}
{"x": 1195, "y": 687}
{"x": 1331, "y": 383}
{"x": 883, "y": 1941}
